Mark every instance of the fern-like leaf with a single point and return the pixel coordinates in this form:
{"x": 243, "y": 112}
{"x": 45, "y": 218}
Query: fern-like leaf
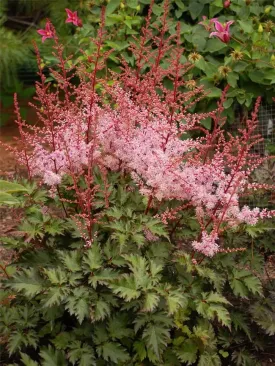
{"x": 28, "y": 281}
{"x": 126, "y": 288}
{"x": 156, "y": 338}
{"x": 113, "y": 351}
{"x": 187, "y": 353}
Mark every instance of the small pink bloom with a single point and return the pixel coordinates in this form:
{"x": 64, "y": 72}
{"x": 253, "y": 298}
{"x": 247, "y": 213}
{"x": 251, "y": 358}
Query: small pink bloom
{"x": 222, "y": 31}
{"x": 46, "y": 33}
{"x": 204, "y": 18}
{"x": 73, "y": 18}
{"x": 227, "y": 4}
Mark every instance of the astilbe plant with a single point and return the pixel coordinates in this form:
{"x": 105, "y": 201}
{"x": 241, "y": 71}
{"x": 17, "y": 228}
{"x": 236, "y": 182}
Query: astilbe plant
{"x": 94, "y": 276}
{"x": 140, "y": 124}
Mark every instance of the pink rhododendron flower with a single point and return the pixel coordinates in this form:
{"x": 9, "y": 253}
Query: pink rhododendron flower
{"x": 46, "y": 33}
{"x": 73, "y": 18}
{"x": 222, "y": 31}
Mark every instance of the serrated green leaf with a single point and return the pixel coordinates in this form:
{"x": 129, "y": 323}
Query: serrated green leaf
{"x": 82, "y": 354}
{"x": 77, "y": 304}
{"x": 243, "y": 281}
{"x": 56, "y": 276}
{"x": 253, "y": 284}
{"x": 113, "y": 351}
{"x": 221, "y": 313}
{"x": 62, "y": 340}
{"x": 126, "y": 288}
{"x": 103, "y": 277}
{"x": 93, "y": 257}
{"x": 139, "y": 347}
{"x": 207, "y": 359}
{"x": 27, "y": 361}
{"x": 55, "y": 296}
{"x": 240, "y": 322}
{"x": 71, "y": 260}
{"x": 156, "y": 338}
{"x": 187, "y": 353}
{"x": 11, "y": 187}
{"x": 16, "y": 340}
{"x": 156, "y": 227}
{"x": 28, "y": 281}
{"x": 51, "y": 357}
{"x": 100, "y": 310}
{"x": 216, "y": 298}
{"x": 118, "y": 327}
{"x": 151, "y": 301}
{"x": 175, "y": 301}
{"x": 8, "y": 199}
{"x": 264, "y": 316}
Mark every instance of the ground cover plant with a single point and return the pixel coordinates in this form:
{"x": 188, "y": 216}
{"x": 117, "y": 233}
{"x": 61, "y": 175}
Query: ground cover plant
{"x": 133, "y": 248}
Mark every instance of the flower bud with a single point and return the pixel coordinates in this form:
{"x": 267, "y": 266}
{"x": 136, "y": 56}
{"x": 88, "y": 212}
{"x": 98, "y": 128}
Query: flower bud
{"x": 138, "y": 8}
{"x": 122, "y": 6}
{"x": 226, "y": 4}
{"x": 272, "y": 58}
{"x": 224, "y": 70}
{"x": 260, "y": 28}
{"x": 194, "y": 56}
{"x": 267, "y": 10}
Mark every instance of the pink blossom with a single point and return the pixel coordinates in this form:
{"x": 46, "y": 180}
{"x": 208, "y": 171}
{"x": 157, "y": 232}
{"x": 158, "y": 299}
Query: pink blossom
{"x": 46, "y": 33}
{"x": 149, "y": 235}
{"x": 135, "y": 129}
{"x": 222, "y": 31}
{"x": 204, "y": 19}
{"x": 226, "y": 4}
{"x": 51, "y": 178}
{"x": 207, "y": 245}
{"x": 73, "y": 18}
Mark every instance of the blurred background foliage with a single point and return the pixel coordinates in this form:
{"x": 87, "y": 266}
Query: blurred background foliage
{"x": 246, "y": 63}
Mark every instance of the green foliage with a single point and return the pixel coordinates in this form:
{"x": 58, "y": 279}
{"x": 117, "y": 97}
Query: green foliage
{"x": 7, "y": 189}
{"x": 248, "y": 57}
{"x": 130, "y": 302}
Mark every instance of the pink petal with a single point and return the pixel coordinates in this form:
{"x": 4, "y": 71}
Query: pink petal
{"x": 217, "y": 34}
{"x": 226, "y": 37}
{"x": 69, "y": 13}
{"x": 42, "y": 32}
{"x": 228, "y": 25}
{"x": 75, "y": 22}
{"x": 219, "y": 27}
{"x": 48, "y": 27}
